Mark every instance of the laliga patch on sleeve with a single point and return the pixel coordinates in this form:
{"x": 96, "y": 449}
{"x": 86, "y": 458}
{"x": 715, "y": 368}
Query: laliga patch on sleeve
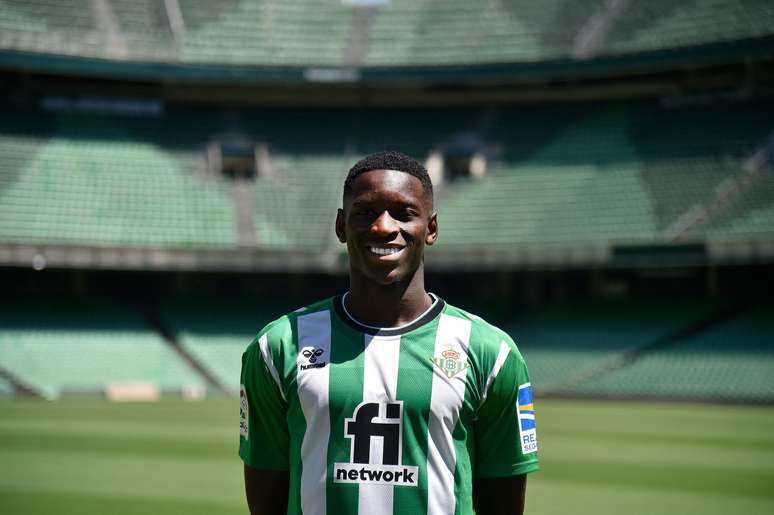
{"x": 526, "y": 413}
{"x": 243, "y": 411}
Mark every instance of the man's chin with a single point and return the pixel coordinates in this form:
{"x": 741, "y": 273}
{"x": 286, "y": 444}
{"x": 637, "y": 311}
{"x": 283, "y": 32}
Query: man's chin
{"x": 391, "y": 278}
{"x": 387, "y": 280}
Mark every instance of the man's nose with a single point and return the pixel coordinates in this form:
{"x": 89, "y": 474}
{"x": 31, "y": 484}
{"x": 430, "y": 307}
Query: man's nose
{"x": 384, "y": 224}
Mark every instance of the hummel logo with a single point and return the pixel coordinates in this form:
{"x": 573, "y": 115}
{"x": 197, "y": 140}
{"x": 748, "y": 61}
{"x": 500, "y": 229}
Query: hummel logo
{"x": 311, "y": 354}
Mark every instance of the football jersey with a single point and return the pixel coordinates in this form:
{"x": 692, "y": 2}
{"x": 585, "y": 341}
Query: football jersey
{"x": 383, "y": 421}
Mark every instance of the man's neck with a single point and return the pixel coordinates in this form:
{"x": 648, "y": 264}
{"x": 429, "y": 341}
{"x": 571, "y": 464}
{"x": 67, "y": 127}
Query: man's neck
{"x": 390, "y": 305}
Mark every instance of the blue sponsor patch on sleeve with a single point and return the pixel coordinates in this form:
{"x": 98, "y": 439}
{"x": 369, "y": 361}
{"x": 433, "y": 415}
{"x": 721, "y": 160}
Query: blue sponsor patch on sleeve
{"x": 525, "y": 409}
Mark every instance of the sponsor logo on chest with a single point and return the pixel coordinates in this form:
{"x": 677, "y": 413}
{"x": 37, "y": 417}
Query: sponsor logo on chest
{"x": 375, "y": 431}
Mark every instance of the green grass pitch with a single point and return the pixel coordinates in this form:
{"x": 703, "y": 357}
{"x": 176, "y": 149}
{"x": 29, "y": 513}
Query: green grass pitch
{"x": 178, "y": 457}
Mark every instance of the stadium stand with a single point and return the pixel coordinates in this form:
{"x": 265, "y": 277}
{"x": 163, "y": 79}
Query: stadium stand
{"x": 645, "y": 164}
{"x": 566, "y": 342}
{"x": 99, "y": 173}
{"x": 311, "y": 181}
{"x": 572, "y": 349}
{"x": 584, "y": 164}
{"x": 663, "y": 24}
{"x": 58, "y": 348}
{"x": 66, "y": 27}
{"x": 427, "y": 33}
{"x": 732, "y": 361}
{"x": 101, "y": 179}
{"x": 269, "y": 33}
{"x": 141, "y": 29}
{"x": 217, "y": 333}
{"x": 752, "y": 215}
{"x": 395, "y": 33}
{"x": 90, "y": 180}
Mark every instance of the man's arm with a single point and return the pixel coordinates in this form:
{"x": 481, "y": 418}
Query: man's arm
{"x": 267, "y": 491}
{"x": 500, "y": 495}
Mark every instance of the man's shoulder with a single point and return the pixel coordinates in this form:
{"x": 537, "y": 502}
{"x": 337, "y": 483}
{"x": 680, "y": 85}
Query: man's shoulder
{"x": 281, "y": 329}
{"x": 489, "y": 347}
{"x": 480, "y": 330}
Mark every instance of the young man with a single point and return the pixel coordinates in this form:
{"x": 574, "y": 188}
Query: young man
{"x": 385, "y": 400}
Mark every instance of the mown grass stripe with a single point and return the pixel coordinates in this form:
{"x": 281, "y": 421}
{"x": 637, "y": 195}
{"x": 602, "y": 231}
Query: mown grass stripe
{"x": 33, "y": 501}
{"x": 89, "y": 456}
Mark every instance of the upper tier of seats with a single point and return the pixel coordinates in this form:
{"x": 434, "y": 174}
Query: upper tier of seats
{"x": 95, "y": 180}
{"x": 617, "y": 173}
{"x": 394, "y": 33}
{"x": 625, "y": 174}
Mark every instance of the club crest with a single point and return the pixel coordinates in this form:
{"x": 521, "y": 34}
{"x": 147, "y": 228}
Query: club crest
{"x": 449, "y": 363}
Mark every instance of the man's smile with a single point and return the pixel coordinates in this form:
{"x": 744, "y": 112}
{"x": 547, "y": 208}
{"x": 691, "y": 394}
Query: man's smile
{"x": 386, "y": 251}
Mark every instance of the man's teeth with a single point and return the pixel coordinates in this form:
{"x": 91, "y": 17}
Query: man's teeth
{"x": 385, "y": 251}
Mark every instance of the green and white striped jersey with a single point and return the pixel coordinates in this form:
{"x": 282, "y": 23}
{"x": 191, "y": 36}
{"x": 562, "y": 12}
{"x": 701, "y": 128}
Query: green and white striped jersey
{"x": 380, "y": 421}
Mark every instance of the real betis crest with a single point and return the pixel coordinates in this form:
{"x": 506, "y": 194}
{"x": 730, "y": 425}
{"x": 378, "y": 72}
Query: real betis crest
{"x": 450, "y": 363}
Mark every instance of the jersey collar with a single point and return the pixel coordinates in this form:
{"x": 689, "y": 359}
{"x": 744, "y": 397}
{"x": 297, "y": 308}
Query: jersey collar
{"x": 433, "y": 311}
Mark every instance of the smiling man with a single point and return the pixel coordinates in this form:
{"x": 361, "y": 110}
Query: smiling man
{"x": 385, "y": 400}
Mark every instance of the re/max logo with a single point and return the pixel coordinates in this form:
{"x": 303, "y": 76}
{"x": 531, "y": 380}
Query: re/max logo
{"x": 529, "y": 441}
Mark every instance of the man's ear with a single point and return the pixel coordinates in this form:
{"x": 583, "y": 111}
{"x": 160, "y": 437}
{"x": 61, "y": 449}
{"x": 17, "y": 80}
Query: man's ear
{"x": 432, "y": 229}
{"x": 340, "y": 233}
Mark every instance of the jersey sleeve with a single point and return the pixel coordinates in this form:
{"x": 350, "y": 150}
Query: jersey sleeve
{"x": 506, "y": 438}
{"x": 263, "y": 431}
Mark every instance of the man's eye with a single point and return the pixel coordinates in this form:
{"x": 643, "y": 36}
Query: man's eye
{"x": 404, "y": 214}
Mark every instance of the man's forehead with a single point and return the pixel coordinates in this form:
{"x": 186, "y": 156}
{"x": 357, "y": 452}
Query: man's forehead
{"x": 377, "y": 184}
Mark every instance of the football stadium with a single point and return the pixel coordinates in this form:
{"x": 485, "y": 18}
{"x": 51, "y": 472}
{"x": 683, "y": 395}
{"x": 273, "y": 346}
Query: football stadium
{"x": 170, "y": 172}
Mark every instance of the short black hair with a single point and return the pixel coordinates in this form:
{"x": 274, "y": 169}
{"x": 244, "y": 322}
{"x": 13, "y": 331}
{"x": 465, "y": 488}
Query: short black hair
{"x": 390, "y": 160}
